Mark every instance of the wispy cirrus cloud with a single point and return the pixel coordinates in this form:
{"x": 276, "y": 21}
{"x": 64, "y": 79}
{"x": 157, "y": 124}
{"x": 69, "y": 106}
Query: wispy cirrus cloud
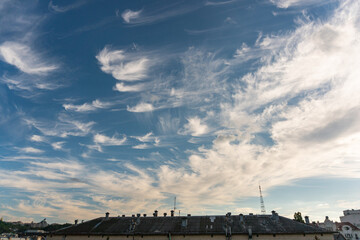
{"x": 30, "y": 150}
{"x": 155, "y": 13}
{"x": 141, "y": 107}
{"x": 218, "y": 3}
{"x": 87, "y": 107}
{"x": 129, "y": 15}
{"x": 37, "y": 138}
{"x": 62, "y": 9}
{"x": 123, "y": 66}
{"x": 25, "y": 59}
{"x": 298, "y": 3}
{"x": 63, "y": 126}
{"x": 121, "y": 87}
{"x": 109, "y": 141}
{"x": 149, "y": 140}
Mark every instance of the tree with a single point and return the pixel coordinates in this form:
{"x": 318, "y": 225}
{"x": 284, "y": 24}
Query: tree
{"x": 298, "y": 217}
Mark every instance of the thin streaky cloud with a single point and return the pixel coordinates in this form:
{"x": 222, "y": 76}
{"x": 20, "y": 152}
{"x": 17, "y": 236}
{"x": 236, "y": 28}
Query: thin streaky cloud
{"x": 87, "y": 107}
{"x": 150, "y": 16}
{"x": 299, "y": 3}
{"x": 30, "y": 150}
{"x": 214, "y": 3}
{"x": 62, "y": 9}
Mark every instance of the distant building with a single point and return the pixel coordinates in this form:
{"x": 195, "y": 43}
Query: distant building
{"x": 192, "y": 227}
{"x": 41, "y": 224}
{"x": 352, "y": 216}
{"x": 328, "y": 224}
{"x": 348, "y": 230}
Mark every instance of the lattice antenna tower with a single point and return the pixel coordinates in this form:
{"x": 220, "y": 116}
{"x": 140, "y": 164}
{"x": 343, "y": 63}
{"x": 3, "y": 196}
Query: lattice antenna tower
{"x": 262, "y": 205}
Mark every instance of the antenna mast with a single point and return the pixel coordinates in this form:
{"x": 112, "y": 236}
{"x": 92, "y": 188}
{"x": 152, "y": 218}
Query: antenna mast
{"x": 262, "y": 205}
{"x": 174, "y": 203}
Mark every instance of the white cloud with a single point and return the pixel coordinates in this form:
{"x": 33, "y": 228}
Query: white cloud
{"x": 141, "y": 107}
{"x": 87, "y": 107}
{"x": 109, "y": 141}
{"x": 121, "y": 87}
{"x": 142, "y": 146}
{"x": 22, "y": 57}
{"x": 37, "y": 138}
{"x": 57, "y": 145}
{"x": 123, "y": 66}
{"x": 129, "y": 15}
{"x": 147, "y": 138}
{"x": 63, "y": 127}
{"x": 30, "y": 150}
{"x": 195, "y": 127}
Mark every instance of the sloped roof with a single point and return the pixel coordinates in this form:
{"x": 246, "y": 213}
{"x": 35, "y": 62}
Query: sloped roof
{"x": 259, "y": 224}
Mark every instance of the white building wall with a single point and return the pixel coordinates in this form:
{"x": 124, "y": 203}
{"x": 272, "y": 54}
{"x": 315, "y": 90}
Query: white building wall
{"x": 351, "y": 216}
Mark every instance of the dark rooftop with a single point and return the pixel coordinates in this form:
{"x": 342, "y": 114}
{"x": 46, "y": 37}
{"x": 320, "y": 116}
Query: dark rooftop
{"x": 236, "y": 224}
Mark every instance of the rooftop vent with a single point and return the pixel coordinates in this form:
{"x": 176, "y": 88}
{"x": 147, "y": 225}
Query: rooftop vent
{"x": 155, "y": 213}
{"x": 172, "y": 213}
{"x": 107, "y": 215}
{"x": 189, "y": 215}
{"x": 133, "y": 215}
{"x": 165, "y": 214}
{"x": 138, "y": 215}
{"x": 123, "y": 215}
{"x": 76, "y": 222}
{"x": 144, "y": 214}
{"x": 251, "y": 214}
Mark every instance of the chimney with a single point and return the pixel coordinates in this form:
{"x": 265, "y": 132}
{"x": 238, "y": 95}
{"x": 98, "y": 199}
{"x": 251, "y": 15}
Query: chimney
{"x": 165, "y": 214}
{"x": 107, "y": 215}
{"x": 123, "y": 215}
{"x": 76, "y": 222}
{"x": 138, "y": 215}
{"x": 189, "y": 215}
{"x": 155, "y": 213}
{"x": 274, "y": 215}
{"x": 241, "y": 218}
{"x": 307, "y": 221}
{"x": 133, "y": 215}
{"x": 172, "y": 213}
{"x": 144, "y": 214}
{"x": 251, "y": 214}
{"x": 82, "y": 221}
{"x": 327, "y": 218}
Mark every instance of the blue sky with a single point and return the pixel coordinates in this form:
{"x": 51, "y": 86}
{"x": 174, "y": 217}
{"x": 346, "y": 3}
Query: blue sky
{"x": 120, "y": 106}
